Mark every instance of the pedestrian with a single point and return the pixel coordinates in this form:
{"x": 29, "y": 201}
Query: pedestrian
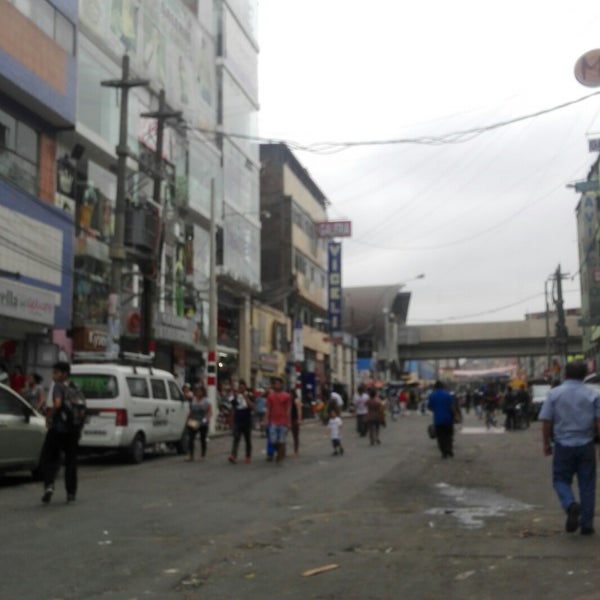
{"x": 510, "y": 410}
{"x": 198, "y": 421}
{"x": 334, "y": 427}
{"x": 570, "y": 418}
{"x": 186, "y": 388}
{"x": 360, "y": 410}
{"x": 259, "y": 412}
{"x": 34, "y": 392}
{"x": 64, "y": 418}
{"x": 444, "y": 408}
{"x": 296, "y": 415}
{"x": 339, "y": 401}
{"x": 374, "y": 416}
{"x": 278, "y": 416}
{"x": 243, "y": 405}
{"x": 17, "y": 380}
{"x": 403, "y": 402}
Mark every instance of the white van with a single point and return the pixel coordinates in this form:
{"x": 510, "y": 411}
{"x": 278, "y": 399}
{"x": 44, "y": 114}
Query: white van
{"x": 130, "y": 407}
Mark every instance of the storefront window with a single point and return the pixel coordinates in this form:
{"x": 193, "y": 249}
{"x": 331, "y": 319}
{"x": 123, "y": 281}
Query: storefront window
{"x": 18, "y": 153}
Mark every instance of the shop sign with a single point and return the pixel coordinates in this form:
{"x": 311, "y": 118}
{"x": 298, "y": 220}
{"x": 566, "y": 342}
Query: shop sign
{"x": 90, "y": 340}
{"x": 298, "y": 342}
{"x": 268, "y": 363}
{"x": 335, "y": 288}
{"x": 331, "y": 229}
{"x": 26, "y": 302}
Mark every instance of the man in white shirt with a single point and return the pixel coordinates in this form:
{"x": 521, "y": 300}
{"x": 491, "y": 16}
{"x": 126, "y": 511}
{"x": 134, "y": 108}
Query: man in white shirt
{"x": 360, "y": 410}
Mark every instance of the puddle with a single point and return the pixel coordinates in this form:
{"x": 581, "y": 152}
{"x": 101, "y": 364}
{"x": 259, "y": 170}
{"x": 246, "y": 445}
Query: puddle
{"x": 471, "y": 506}
{"x": 483, "y": 429}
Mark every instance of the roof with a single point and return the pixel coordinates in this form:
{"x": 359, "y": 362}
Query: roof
{"x": 364, "y": 307}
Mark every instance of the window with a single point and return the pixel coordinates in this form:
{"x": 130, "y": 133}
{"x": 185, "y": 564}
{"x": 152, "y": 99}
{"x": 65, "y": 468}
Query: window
{"x": 138, "y": 387}
{"x": 97, "y": 387}
{"x": 159, "y": 389}
{"x": 175, "y": 391}
{"x": 54, "y": 24}
{"x": 27, "y": 143}
{"x": 64, "y": 33}
{"x": 43, "y": 17}
{"x": 18, "y": 153}
{"x": 9, "y": 405}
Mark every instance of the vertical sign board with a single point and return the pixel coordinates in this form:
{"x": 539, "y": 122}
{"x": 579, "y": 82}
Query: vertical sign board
{"x": 335, "y": 288}
{"x": 298, "y": 342}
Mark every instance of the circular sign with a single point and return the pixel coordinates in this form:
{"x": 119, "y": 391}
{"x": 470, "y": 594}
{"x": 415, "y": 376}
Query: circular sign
{"x": 587, "y": 69}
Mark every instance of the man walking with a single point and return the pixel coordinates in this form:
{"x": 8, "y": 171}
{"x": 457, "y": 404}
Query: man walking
{"x": 64, "y": 429}
{"x": 570, "y": 417}
{"x": 278, "y": 417}
{"x": 444, "y": 408}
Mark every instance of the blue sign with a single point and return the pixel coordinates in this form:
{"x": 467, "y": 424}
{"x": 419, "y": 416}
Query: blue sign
{"x": 335, "y": 288}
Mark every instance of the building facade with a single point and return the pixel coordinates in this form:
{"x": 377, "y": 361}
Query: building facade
{"x": 38, "y": 79}
{"x": 294, "y": 261}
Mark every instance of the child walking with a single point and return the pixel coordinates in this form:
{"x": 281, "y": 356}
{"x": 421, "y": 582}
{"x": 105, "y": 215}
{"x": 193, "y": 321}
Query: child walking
{"x": 334, "y": 425}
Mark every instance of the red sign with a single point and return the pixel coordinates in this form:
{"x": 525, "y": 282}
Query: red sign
{"x": 331, "y": 229}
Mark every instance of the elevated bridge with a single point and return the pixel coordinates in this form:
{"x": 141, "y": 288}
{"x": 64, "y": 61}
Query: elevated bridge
{"x": 483, "y": 340}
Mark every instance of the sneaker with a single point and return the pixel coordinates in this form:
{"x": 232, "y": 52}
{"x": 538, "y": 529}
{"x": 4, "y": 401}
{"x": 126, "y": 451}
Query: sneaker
{"x": 573, "y": 512}
{"x": 587, "y": 531}
{"x": 70, "y": 497}
{"x": 231, "y": 459}
{"x": 248, "y": 460}
{"x": 47, "y": 495}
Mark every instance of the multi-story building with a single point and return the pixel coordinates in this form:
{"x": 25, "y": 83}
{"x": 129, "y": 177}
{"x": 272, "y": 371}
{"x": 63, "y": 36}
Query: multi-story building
{"x": 239, "y": 240}
{"x": 588, "y": 226}
{"x": 294, "y": 261}
{"x": 38, "y": 78}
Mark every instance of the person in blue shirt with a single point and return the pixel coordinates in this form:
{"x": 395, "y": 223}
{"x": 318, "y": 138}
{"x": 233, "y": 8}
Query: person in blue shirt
{"x": 570, "y": 417}
{"x": 443, "y": 406}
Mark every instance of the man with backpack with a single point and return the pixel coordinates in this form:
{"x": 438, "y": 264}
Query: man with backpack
{"x": 65, "y": 419}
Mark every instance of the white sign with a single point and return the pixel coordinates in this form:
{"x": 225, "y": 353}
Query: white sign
{"x": 26, "y": 302}
{"x": 298, "y": 342}
{"x": 330, "y": 229}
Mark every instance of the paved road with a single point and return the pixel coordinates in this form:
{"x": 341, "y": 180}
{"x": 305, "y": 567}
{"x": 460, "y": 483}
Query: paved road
{"x": 396, "y": 520}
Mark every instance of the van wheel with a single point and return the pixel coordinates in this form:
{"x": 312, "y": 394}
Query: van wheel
{"x": 183, "y": 445}
{"x": 136, "y": 449}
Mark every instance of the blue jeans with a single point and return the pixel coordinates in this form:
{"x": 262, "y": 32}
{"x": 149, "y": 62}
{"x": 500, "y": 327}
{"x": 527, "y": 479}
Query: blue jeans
{"x": 581, "y": 461}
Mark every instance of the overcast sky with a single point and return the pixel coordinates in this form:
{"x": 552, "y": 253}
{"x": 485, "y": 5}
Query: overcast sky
{"x": 487, "y": 220}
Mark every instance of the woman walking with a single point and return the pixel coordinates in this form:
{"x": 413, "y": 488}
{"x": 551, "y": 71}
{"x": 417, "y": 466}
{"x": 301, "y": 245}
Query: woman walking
{"x": 296, "y": 420}
{"x": 198, "y": 420}
{"x": 374, "y": 416}
{"x": 243, "y": 406}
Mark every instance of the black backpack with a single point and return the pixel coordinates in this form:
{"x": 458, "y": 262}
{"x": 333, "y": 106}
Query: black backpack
{"x": 71, "y": 416}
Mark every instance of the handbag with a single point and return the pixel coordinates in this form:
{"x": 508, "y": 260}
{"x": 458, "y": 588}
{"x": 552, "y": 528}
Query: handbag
{"x": 193, "y": 424}
{"x": 431, "y": 432}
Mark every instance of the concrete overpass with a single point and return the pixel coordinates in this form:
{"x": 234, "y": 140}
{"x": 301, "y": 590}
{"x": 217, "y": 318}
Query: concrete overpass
{"x": 483, "y": 340}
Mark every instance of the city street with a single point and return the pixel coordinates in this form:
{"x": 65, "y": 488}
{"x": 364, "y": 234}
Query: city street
{"x": 389, "y": 521}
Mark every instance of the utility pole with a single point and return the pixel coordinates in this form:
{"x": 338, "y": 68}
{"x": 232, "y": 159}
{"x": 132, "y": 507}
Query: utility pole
{"x": 212, "y": 310}
{"x": 118, "y": 252}
{"x": 561, "y": 326}
{"x": 149, "y": 270}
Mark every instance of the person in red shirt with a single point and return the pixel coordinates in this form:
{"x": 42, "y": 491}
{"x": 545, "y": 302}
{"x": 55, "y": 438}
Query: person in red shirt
{"x": 278, "y": 417}
{"x": 17, "y": 380}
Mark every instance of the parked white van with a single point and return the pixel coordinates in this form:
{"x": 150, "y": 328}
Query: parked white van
{"x": 130, "y": 407}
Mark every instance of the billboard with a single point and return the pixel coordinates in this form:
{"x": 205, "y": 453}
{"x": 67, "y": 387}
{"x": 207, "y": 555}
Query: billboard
{"x": 334, "y": 278}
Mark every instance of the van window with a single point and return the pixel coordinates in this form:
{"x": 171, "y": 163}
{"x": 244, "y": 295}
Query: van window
{"x": 176, "y": 393}
{"x": 96, "y": 386}
{"x": 138, "y": 387}
{"x": 159, "y": 390}
{"x": 9, "y": 405}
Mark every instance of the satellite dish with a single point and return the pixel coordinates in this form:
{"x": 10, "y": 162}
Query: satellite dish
{"x": 587, "y": 69}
